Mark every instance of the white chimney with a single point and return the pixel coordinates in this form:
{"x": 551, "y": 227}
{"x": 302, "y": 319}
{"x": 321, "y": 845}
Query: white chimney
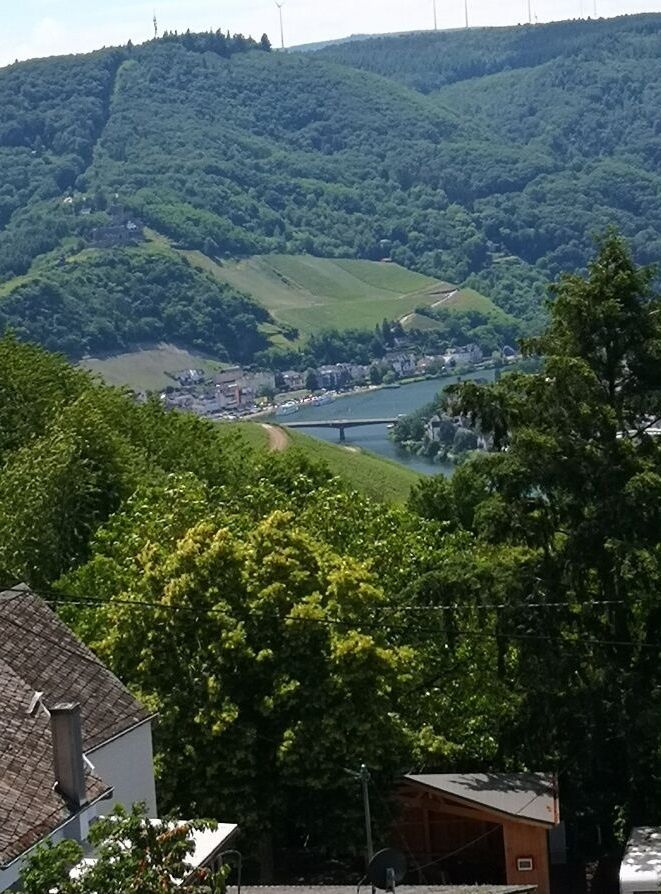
{"x": 68, "y": 760}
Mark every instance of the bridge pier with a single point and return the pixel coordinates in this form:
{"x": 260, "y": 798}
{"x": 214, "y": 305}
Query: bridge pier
{"x": 343, "y": 434}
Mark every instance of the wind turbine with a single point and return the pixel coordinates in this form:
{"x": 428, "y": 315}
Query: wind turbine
{"x": 530, "y": 12}
{"x": 435, "y": 18}
{"x": 282, "y": 30}
{"x": 466, "y": 11}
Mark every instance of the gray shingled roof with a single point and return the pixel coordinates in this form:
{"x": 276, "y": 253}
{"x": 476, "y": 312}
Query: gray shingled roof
{"x": 38, "y": 653}
{"x": 529, "y": 796}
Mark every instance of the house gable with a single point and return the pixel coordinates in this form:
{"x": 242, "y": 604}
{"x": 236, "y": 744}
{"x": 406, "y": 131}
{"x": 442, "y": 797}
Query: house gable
{"x": 43, "y": 663}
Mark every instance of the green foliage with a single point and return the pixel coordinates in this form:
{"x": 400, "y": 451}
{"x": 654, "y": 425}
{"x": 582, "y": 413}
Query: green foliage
{"x": 574, "y": 477}
{"x": 285, "y": 627}
{"x": 573, "y": 102}
{"x": 396, "y": 145}
{"x": 490, "y": 331}
{"x": 115, "y": 301}
{"x": 131, "y": 854}
{"x": 280, "y": 682}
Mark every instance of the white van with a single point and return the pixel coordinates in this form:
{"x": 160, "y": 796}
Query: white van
{"x": 640, "y": 871}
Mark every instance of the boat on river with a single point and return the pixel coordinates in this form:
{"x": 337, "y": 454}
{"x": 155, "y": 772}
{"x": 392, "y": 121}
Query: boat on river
{"x": 288, "y": 408}
{"x": 321, "y": 400}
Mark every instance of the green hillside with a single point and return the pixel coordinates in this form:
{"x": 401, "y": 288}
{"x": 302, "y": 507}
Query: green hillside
{"x": 146, "y": 369}
{"x": 372, "y": 475}
{"x": 487, "y": 157}
{"x": 583, "y": 95}
{"x": 95, "y": 301}
{"x": 315, "y": 293}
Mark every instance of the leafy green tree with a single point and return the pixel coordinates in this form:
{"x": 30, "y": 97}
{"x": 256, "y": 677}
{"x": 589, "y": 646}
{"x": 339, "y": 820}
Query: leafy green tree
{"x": 311, "y": 380}
{"x": 131, "y": 854}
{"x": 280, "y": 677}
{"x": 575, "y": 477}
{"x": 376, "y": 374}
{"x": 267, "y": 392}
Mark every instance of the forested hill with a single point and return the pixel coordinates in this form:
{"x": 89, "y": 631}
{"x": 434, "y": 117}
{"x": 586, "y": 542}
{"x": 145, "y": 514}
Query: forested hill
{"x": 582, "y": 95}
{"x": 488, "y": 157}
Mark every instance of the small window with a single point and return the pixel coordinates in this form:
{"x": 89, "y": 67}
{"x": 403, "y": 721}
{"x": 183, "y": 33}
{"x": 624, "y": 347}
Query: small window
{"x": 525, "y": 864}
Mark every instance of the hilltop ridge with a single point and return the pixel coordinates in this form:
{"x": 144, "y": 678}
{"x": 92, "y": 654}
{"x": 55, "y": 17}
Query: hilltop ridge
{"x": 487, "y": 157}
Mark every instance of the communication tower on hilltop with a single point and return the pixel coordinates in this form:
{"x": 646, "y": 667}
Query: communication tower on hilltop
{"x": 282, "y": 30}
{"x": 155, "y": 27}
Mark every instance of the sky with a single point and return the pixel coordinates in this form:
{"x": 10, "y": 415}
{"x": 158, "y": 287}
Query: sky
{"x": 32, "y": 28}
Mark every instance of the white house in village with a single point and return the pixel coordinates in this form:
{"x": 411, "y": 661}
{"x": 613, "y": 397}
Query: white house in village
{"x": 402, "y": 364}
{"x": 465, "y": 355}
{"x": 293, "y": 379}
{"x": 73, "y": 740}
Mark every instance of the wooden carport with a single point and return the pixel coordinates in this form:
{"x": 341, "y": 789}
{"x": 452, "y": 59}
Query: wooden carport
{"x": 487, "y": 828}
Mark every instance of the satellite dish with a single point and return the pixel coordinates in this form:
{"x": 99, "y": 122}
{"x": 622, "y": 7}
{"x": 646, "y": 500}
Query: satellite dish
{"x": 387, "y": 869}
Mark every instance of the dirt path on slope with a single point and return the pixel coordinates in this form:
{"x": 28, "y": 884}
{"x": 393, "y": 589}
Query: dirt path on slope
{"x": 278, "y": 439}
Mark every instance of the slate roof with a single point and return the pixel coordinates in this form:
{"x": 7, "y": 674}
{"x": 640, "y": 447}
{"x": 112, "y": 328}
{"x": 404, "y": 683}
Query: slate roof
{"x": 526, "y": 796}
{"x": 38, "y": 653}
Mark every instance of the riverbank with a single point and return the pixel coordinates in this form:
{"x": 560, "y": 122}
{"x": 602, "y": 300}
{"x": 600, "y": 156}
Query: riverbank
{"x": 376, "y": 403}
{"x": 360, "y": 390}
{"x": 368, "y": 473}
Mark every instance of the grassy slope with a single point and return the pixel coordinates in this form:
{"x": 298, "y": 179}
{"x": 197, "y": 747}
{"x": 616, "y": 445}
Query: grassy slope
{"x": 145, "y": 370}
{"x": 315, "y": 293}
{"x": 369, "y": 474}
{"x": 463, "y": 299}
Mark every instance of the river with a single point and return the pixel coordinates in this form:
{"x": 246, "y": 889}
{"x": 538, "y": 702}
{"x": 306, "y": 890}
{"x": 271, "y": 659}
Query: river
{"x": 381, "y": 403}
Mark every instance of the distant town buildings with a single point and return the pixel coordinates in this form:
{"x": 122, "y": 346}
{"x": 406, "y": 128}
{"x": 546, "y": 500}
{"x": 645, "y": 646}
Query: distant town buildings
{"x": 236, "y": 391}
{"x": 469, "y": 354}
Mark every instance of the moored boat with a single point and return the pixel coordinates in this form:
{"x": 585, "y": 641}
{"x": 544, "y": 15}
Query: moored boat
{"x": 321, "y": 400}
{"x": 287, "y": 409}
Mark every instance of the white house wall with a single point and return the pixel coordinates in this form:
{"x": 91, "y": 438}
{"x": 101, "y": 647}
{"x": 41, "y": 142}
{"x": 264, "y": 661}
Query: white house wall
{"x": 76, "y": 829}
{"x": 126, "y": 764}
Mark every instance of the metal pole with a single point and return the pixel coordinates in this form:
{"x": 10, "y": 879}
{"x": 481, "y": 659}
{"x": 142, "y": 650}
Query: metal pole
{"x": 435, "y": 18}
{"x": 466, "y": 11}
{"x": 364, "y": 779}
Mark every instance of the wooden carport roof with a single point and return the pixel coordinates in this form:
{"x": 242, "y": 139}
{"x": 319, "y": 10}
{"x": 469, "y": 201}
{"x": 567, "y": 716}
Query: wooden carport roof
{"x": 524, "y": 797}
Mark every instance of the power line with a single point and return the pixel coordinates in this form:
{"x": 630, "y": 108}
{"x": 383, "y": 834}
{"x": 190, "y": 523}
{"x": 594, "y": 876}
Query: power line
{"x": 92, "y": 602}
{"x": 75, "y": 598}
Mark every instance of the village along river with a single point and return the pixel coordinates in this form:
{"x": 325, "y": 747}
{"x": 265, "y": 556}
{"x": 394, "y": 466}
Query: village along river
{"x": 382, "y": 403}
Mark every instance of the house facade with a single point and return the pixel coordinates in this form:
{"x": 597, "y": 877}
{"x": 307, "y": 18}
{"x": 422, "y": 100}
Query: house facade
{"x": 73, "y": 741}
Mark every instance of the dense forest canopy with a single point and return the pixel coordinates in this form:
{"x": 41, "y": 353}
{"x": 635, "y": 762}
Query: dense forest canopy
{"x": 116, "y": 301}
{"x": 489, "y": 156}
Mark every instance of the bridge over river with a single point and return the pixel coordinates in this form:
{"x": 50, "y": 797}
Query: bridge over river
{"x": 340, "y": 424}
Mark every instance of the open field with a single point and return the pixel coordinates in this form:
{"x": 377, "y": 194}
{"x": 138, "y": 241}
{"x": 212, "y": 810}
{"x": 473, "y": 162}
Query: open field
{"x": 371, "y": 475}
{"x": 145, "y": 370}
{"x": 469, "y": 299}
{"x": 419, "y": 321}
{"x": 316, "y": 293}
